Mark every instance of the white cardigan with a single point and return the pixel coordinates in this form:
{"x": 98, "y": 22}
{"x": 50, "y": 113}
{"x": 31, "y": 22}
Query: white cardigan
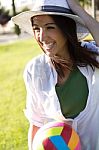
{"x": 43, "y": 105}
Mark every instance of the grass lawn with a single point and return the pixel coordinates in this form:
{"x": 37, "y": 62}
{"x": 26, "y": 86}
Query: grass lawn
{"x": 13, "y": 124}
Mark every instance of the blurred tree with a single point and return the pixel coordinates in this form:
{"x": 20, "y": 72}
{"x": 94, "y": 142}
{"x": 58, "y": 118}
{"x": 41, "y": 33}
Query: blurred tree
{"x": 13, "y": 8}
{"x": 93, "y": 3}
{"x": 16, "y": 28}
{"x": 97, "y": 4}
{"x": 4, "y": 16}
{"x": 85, "y": 2}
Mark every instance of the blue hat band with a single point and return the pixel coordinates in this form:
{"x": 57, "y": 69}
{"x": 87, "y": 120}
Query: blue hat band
{"x": 57, "y": 9}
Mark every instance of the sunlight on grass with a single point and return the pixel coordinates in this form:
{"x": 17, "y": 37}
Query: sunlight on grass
{"x": 13, "y": 124}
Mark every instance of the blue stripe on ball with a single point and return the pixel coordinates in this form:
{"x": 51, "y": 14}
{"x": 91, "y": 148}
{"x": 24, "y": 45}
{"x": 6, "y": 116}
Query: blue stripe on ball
{"x": 59, "y": 143}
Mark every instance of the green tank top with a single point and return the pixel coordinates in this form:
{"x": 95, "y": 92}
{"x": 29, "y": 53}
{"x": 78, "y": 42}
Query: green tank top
{"x": 73, "y": 94}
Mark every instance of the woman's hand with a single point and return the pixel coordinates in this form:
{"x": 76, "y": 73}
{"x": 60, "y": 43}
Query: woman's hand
{"x": 31, "y": 133}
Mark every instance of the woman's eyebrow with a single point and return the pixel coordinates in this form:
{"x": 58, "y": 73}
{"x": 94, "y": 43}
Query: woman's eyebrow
{"x": 49, "y": 24}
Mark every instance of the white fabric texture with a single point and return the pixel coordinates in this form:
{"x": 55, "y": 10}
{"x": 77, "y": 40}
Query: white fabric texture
{"x": 43, "y": 104}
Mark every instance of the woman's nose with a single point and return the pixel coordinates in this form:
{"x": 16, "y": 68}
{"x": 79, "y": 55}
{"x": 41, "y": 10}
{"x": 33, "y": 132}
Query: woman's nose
{"x": 42, "y": 35}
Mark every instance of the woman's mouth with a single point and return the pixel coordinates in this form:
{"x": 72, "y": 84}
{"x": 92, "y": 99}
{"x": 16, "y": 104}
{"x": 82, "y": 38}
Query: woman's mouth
{"x": 48, "y": 47}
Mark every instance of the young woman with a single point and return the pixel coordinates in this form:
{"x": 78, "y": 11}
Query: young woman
{"x": 62, "y": 83}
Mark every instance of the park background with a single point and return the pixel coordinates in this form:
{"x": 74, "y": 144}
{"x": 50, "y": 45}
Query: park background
{"x": 16, "y": 49}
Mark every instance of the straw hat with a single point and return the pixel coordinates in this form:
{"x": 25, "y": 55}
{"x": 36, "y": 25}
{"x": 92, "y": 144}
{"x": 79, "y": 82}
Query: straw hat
{"x": 50, "y": 7}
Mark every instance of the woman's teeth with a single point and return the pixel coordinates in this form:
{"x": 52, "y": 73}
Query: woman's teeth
{"x": 48, "y": 46}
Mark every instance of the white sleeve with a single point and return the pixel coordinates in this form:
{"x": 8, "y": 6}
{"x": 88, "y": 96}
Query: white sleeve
{"x": 90, "y": 45}
{"x": 34, "y": 110}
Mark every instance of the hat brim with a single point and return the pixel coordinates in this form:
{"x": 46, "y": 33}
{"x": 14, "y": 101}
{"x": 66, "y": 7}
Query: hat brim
{"x": 23, "y": 20}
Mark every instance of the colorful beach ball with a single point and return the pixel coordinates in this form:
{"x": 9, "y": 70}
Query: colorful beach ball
{"x": 56, "y": 136}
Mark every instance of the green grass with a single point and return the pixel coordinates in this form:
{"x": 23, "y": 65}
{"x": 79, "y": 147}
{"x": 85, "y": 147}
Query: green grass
{"x": 13, "y": 124}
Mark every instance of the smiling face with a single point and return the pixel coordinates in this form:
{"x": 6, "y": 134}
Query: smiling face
{"x": 49, "y": 36}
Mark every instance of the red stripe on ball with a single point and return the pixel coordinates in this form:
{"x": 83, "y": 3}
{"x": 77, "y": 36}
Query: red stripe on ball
{"x": 48, "y": 145}
{"x": 66, "y": 133}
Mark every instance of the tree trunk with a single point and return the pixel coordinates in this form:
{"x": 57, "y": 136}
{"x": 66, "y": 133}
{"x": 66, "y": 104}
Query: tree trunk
{"x": 16, "y": 28}
{"x": 13, "y": 8}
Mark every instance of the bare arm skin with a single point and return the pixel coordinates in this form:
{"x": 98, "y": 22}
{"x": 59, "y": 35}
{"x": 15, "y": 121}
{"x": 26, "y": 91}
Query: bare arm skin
{"x": 31, "y": 133}
{"x": 90, "y": 22}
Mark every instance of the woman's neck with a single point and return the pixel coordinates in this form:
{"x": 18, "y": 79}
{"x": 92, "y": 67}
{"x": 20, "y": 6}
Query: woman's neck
{"x": 61, "y": 80}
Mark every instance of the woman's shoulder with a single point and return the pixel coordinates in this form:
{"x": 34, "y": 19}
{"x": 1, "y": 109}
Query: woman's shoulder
{"x": 37, "y": 65}
{"x": 38, "y": 71}
{"x": 37, "y": 62}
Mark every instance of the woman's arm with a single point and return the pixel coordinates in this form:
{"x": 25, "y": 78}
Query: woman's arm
{"x": 90, "y": 22}
{"x": 31, "y": 133}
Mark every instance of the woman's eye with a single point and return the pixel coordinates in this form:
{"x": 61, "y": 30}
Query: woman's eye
{"x": 50, "y": 27}
{"x": 36, "y": 29}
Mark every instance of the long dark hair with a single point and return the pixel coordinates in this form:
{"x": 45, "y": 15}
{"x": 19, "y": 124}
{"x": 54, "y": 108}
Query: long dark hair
{"x": 80, "y": 56}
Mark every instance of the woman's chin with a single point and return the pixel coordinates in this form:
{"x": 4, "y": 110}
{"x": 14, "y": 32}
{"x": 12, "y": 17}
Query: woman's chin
{"x": 49, "y": 54}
